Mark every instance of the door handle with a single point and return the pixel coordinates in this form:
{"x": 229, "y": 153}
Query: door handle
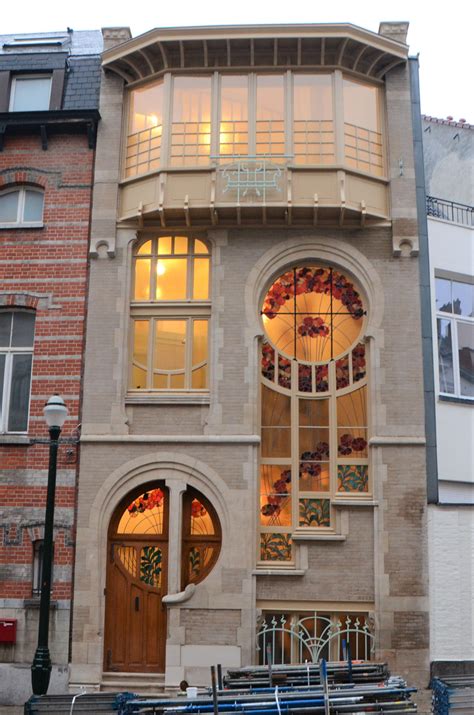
{"x": 137, "y": 603}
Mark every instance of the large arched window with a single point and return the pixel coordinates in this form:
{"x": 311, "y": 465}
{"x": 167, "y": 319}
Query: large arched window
{"x": 313, "y": 406}
{"x": 170, "y": 313}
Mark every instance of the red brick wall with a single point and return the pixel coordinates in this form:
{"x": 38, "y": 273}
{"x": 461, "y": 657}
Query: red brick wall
{"x": 46, "y": 269}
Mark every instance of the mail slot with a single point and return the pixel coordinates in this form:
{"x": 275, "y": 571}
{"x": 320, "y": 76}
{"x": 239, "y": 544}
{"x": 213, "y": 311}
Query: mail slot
{"x": 8, "y": 630}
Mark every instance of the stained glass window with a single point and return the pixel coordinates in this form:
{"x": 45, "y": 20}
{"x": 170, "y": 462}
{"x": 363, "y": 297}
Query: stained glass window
{"x": 201, "y": 537}
{"x": 314, "y": 422}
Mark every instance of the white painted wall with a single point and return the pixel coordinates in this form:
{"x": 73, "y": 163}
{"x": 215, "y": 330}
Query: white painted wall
{"x": 451, "y": 563}
{"x": 451, "y": 246}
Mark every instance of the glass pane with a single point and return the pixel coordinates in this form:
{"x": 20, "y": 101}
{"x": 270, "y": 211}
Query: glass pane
{"x": 234, "y": 99}
{"x": 146, "y": 107}
{"x": 361, "y": 106}
{"x": 199, "y": 358}
{"x": 9, "y": 207}
{"x": 275, "y": 547}
{"x": 144, "y": 515}
{"x": 20, "y": 393}
{"x": 443, "y": 295}
{"x": 177, "y": 381}
{"x": 466, "y": 358}
{"x": 140, "y": 354}
{"x": 180, "y": 244}
{"x": 23, "y": 330}
{"x": 275, "y": 495}
{"x": 201, "y": 279}
{"x": 171, "y": 278}
{"x": 2, "y": 378}
{"x": 150, "y": 565}
{"x": 352, "y": 478}
{"x": 352, "y": 442}
{"x": 445, "y": 356}
{"x": 352, "y": 409}
{"x": 313, "y": 476}
{"x": 201, "y": 520}
{"x": 192, "y": 99}
{"x": 128, "y": 558}
{"x": 31, "y": 94}
{"x": 5, "y": 328}
{"x": 33, "y": 210}
{"x": 170, "y": 344}
{"x": 142, "y": 278}
{"x": 145, "y": 248}
{"x": 200, "y": 247}
{"x": 314, "y": 413}
{"x": 164, "y": 246}
{"x": 314, "y": 512}
{"x": 270, "y": 98}
{"x": 312, "y": 97}
{"x": 463, "y": 299}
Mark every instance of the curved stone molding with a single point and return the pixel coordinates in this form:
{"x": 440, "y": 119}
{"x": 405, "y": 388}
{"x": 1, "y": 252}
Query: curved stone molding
{"x": 174, "y": 598}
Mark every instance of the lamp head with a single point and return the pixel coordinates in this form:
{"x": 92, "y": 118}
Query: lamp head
{"x": 55, "y": 412}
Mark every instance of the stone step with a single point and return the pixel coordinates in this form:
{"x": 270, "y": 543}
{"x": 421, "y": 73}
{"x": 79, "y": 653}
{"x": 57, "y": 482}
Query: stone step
{"x": 150, "y": 684}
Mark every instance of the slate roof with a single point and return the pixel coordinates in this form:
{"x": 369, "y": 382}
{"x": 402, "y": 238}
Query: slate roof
{"x": 78, "y": 53}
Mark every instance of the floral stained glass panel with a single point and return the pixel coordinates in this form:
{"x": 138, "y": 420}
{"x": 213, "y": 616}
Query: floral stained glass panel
{"x": 144, "y": 515}
{"x": 150, "y": 566}
{"x": 314, "y": 512}
{"x": 275, "y": 495}
{"x": 275, "y": 547}
{"x": 352, "y": 478}
{"x": 268, "y": 362}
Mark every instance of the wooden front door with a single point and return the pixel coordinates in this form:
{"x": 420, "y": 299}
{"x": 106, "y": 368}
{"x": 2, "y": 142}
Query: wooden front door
{"x": 135, "y": 617}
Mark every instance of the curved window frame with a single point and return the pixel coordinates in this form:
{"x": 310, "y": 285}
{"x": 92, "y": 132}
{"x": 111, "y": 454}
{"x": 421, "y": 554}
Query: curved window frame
{"x": 191, "y": 313}
{"x": 325, "y": 383}
{"x": 326, "y": 137}
{"x": 20, "y": 221}
{"x": 191, "y": 541}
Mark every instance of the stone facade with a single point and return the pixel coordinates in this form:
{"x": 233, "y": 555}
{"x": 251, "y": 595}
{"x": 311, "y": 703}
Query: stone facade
{"x": 377, "y": 560}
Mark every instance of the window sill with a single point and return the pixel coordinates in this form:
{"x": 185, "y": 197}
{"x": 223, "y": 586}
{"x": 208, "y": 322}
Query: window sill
{"x": 278, "y": 572}
{"x": 187, "y": 398}
{"x": 354, "y": 502}
{"x": 22, "y": 226}
{"x": 34, "y": 603}
{"x": 457, "y": 400}
{"x": 312, "y": 536}
{"x": 16, "y": 439}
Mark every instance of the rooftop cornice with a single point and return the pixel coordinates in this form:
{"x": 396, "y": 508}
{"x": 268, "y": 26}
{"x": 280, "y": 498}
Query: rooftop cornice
{"x": 196, "y": 48}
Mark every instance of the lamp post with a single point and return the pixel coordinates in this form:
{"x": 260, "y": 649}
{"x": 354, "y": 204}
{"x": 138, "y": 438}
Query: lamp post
{"x": 55, "y": 413}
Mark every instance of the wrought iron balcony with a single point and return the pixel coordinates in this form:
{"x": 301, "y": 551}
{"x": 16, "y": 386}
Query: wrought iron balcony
{"x": 450, "y": 211}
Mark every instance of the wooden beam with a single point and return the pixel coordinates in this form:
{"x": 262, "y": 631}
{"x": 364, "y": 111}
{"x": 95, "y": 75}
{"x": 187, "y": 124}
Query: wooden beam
{"x": 315, "y": 209}
{"x": 164, "y": 56}
{"x": 187, "y": 215}
{"x": 342, "y": 49}
{"x": 181, "y": 54}
{"x": 323, "y": 50}
{"x": 206, "y": 56}
{"x": 252, "y": 52}
{"x": 380, "y": 56}
{"x": 298, "y": 51}
{"x": 389, "y": 67}
{"x": 275, "y": 51}
{"x": 359, "y": 56}
{"x": 228, "y": 52}
{"x": 363, "y": 213}
{"x": 134, "y": 67}
{"x": 150, "y": 64}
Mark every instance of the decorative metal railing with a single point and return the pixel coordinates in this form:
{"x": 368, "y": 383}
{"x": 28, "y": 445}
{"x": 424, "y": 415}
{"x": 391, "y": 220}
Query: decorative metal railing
{"x": 251, "y": 178}
{"x": 450, "y": 211}
{"x": 307, "y": 639}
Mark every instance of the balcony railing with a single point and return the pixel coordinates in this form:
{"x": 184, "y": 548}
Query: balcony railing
{"x": 450, "y": 211}
{"x": 251, "y": 178}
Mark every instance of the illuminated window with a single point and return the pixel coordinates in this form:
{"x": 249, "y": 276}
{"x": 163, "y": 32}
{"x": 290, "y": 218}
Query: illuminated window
{"x": 455, "y": 324}
{"x": 233, "y": 134}
{"x": 21, "y": 207}
{"x": 16, "y": 357}
{"x": 313, "y": 125}
{"x": 363, "y": 147}
{"x": 145, "y": 129}
{"x": 270, "y": 115}
{"x": 314, "y": 423}
{"x": 201, "y": 538}
{"x": 170, "y": 344}
{"x": 191, "y": 122}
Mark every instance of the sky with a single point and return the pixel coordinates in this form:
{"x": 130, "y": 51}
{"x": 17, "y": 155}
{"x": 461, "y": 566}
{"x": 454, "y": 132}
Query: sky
{"x": 442, "y": 38}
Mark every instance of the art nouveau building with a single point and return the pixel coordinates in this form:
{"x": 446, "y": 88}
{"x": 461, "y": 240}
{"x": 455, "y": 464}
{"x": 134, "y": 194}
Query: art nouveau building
{"x": 253, "y": 449}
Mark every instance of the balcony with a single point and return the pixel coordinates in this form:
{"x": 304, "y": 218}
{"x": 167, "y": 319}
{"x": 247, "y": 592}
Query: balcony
{"x": 255, "y": 190}
{"x": 450, "y": 211}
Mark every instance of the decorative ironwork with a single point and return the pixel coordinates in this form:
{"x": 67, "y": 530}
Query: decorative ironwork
{"x": 294, "y": 639}
{"x": 450, "y": 211}
{"x": 253, "y": 176}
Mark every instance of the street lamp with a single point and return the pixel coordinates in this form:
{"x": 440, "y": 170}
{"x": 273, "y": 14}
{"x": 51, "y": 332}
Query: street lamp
{"x": 55, "y": 413}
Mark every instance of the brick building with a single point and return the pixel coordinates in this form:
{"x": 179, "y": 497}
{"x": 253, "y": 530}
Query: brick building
{"x": 253, "y": 444}
{"x": 49, "y": 92}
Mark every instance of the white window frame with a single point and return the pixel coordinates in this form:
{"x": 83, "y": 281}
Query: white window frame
{"x": 454, "y": 319}
{"x": 9, "y": 353}
{"x": 28, "y": 76}
{"x": 186, "y": 309}
{"x": 20, "y": 222}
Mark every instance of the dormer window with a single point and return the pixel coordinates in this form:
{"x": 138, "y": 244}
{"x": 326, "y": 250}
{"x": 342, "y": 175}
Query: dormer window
{"x": 21, "y": 207}
{"x": 30, "y": 93}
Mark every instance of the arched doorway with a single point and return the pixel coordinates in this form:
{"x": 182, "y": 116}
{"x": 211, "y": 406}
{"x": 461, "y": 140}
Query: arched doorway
{"x": 137, "y": 567}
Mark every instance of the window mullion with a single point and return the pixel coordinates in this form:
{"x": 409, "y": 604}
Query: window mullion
{"x": 456, "y": 367}
{"x": 332, "y": 431}
{"x": 215, "y": 124}
{"x": 252, "y": 113}
{"x": 338, "y": 114}
{"x": 150, "y": 356}
{"x": 188, "y": 354}
{"x": 295, "y": 445}
{"x": 166, "y": 131}
{"x": 288, "y": 94}
{"x": 7, "y": 390}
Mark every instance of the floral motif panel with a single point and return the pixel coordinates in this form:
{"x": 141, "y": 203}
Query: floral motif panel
{"x": 314, "y": 423}
{"x": 150, "y": 565}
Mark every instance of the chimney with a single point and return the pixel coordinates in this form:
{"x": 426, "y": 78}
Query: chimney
{"x": 115, "y": 36}
{"x": 394, "y": 31}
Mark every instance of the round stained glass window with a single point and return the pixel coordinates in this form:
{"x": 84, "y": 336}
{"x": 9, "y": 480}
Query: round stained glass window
{"x": 313, "y": 314}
